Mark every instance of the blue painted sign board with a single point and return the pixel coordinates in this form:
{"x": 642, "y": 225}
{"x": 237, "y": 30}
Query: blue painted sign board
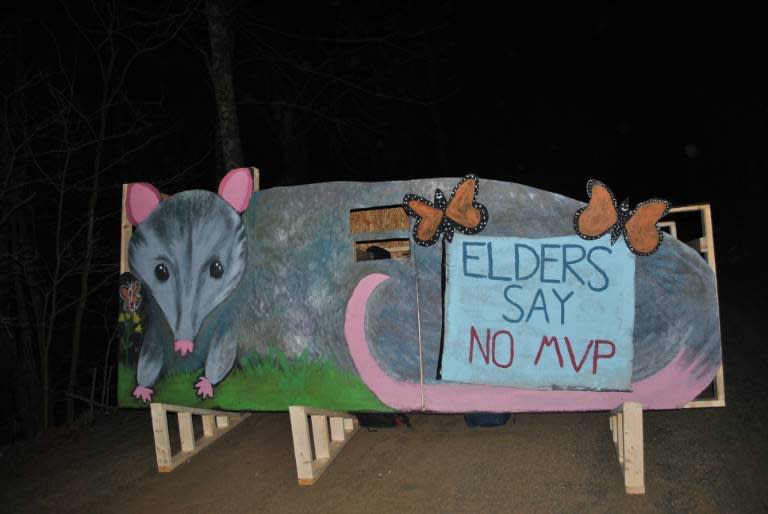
{"x": 550, "y": 313}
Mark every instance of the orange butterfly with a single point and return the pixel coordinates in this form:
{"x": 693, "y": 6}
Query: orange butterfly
{"x": 603, "y": 214}
{"x": 461, "y": 212}
{"x": 130, "y": 293}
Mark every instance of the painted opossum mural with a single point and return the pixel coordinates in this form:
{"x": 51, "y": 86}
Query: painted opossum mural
{"x": 191, "y": 254}
{"x": 264, "y": 300}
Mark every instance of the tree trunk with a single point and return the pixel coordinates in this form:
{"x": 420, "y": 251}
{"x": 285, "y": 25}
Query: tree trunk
{"x": 294, "y": 147}
{"x": 223, "y": 85}
{"x": 30, "y": 389}
{"x": 21, "y": 388}
{"x": 77, "y": 328}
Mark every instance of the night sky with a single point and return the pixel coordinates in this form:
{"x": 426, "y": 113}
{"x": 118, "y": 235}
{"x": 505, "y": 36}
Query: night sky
{"x": 655, "y": 101}
{"x": 652, "y": 100}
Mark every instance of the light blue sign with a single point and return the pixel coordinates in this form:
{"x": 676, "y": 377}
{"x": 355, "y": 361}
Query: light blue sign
{"x": 552, "y": 313}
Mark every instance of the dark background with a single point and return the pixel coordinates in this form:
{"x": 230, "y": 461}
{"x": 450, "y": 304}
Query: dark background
{"x": 655, "y": 101}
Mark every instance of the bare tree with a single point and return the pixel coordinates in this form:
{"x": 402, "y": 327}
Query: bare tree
{"x": 220, "y": 65}
{"x": 67, "y": 130}
{"x": 340, "y": 83}
{"x": 27, "y": 121}
{"x": 115, "y": 42}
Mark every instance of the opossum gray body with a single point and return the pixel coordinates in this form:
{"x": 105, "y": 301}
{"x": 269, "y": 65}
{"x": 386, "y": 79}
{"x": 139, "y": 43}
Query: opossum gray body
{"x": 190, "y": 252}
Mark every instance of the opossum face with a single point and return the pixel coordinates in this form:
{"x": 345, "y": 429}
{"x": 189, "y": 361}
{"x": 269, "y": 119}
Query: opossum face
{"x": 190, "y": 251}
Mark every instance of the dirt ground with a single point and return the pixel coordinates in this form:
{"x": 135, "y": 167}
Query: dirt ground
{"x": 704, "y": 460}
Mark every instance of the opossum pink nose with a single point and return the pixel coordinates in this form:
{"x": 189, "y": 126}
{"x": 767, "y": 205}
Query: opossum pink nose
{"x": 183, "y": 346}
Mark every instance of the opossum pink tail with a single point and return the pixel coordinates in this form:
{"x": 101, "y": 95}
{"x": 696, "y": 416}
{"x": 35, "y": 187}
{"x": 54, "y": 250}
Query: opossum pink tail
{"x": 671, "y": 387}
{"x": 399, "y": 395}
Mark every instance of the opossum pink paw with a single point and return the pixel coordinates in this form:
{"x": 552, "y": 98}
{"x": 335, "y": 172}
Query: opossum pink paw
{"x": 143, "y": 393}
{"x": 204, "y": 388}
{"x": 183, "y": 346}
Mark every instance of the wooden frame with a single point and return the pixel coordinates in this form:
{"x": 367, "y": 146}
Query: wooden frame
{"x": 215, "y": 425}
{"x": 398, "y": 248}
{"x": 125, "y": 233}
{"x": 627, "y": 431}
{"x": 671, "y": 225}
{"x": 326, "y": 443}
{"x": 319, "y": 435}
{"x": 706, "y": 246}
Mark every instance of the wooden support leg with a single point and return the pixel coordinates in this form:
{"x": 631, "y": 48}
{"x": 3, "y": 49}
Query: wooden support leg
{"x": 337, "y": 429}
{"x": 209, "y": 426}
{"x": 166, "y": 460}
{"x": 302, "y": 447}
{"x": 162, "y": 438}
{"x": 320, "y": 437}
{"x": 620, "y": 441}
{"x": 186, "y": 431}
{"x": 309, "y": 464}
{"x": 627, "y": 434}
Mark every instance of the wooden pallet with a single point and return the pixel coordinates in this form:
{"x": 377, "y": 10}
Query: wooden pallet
{"x": 326, "y": 443}
{"x": 627, "y": 431}
{"x": 215, "y": 425}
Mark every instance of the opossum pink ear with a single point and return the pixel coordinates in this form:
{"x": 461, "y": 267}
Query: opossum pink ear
{"x": 142, "y": 199}
{"x": 236, "y": 188}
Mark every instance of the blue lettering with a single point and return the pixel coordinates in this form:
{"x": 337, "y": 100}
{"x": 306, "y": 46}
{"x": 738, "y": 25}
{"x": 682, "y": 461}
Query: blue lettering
{"x": 567, "y": 262}
{"x": 532, "y": 251}
{"x": 490, "y": 266}
{"x": 598, "y": 269}
{"x": 545, "y": 260}
{"x": 536, "y": 307}
{"x": 506, "y": 297}
{"x": 465, "y": 257}
{"x": 562, "y": 304}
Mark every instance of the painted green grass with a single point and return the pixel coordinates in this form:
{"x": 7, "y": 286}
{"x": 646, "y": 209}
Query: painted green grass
{"x": 262, "y": 382}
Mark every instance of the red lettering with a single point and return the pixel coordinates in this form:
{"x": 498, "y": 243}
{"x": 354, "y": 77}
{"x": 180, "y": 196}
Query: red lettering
{"x": 511, "y": 349}
{"x": 547, "y": 341}
{"x": 576, "y": 367}
{"x": 597, "y": 355}
{"x": 474, "y": 337}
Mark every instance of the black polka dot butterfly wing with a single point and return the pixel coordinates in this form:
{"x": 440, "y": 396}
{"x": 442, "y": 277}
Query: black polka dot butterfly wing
{"x": 461, "y": 212}
{"x": 430, "y": 217}
{"x": 603, "y": 214}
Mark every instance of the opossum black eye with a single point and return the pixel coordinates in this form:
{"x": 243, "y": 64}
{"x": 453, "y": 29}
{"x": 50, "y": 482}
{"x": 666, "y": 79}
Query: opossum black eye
{"x": 161, "y": 272}
{"x": 216, "y": 270}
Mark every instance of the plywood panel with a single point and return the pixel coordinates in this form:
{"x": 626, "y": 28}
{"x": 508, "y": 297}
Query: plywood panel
{"x": 378, "y": 219}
